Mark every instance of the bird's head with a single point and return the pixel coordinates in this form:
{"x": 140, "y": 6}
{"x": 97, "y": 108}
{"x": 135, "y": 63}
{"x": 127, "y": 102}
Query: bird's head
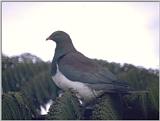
{"x": 58, "y": 36}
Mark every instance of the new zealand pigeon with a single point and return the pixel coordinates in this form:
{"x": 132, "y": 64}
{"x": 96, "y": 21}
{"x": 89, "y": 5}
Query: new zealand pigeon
{"x": 73, "y": 70}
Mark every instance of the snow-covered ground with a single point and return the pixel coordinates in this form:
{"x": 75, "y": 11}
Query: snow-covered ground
{"x": 45, "y": 109}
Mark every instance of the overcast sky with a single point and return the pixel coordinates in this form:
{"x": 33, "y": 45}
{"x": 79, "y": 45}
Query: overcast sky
{"x": 123, "y": 32}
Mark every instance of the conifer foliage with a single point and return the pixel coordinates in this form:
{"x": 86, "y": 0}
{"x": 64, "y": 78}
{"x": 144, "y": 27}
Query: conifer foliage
{"x": 66, "y": 107}
{"x": 106, "y": 108}
{"x": 27, "y": 85}
{"x": 16, "y": 106}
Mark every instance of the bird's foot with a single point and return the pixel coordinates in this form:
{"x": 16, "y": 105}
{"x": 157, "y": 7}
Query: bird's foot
{"x": 60, "y": 93}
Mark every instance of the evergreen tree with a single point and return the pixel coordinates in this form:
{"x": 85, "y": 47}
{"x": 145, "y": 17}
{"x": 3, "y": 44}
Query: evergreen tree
{"x": 27, "y": 84}
{"x": 108, "y": 107}
{"x": 15, "y": 107}
{"x": 66, "y": 107}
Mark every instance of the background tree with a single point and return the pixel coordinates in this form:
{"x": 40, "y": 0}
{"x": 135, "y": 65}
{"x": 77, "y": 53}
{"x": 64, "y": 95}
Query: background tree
{"x": 66, "y": 107}
{"x": 27, "y": 85}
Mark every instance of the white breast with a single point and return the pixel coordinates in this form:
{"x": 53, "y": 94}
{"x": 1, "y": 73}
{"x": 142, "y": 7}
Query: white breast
{"x": 82, "y": 90}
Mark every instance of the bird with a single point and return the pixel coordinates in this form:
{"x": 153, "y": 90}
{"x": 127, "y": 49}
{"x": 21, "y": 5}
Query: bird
{"x": 70, "y": 69}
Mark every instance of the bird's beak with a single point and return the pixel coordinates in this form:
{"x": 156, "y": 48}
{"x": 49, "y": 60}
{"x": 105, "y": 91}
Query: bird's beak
{"x": 47, "y": 39}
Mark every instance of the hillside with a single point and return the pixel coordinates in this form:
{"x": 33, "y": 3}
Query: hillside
{"x": 27, "y": 85}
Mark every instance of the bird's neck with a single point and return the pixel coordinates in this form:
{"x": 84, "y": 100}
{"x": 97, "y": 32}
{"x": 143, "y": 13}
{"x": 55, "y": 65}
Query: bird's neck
{"x": 63, "y": 49}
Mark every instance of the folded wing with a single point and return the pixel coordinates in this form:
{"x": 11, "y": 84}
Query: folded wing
{"x": 76, "y": 67}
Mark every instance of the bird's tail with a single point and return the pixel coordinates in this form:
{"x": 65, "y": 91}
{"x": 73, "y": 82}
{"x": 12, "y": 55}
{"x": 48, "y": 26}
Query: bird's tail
{"x": 127, "y": 90}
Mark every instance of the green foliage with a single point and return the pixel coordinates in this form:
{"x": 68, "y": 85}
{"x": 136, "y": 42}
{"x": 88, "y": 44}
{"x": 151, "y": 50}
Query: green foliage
{"x": 27, "y": 84}
{"x": 15, "y": 73}
{"x": 142, "y": 79}
{"x": 40, "y": 89}
{"x": 143, "y": 106}
{"x": 108, "y": 107}
{"x": 16, "y": 106}
{"x": 31, "y": 80}
{"x": 136, "y": 106}
{"x": 66, "y": 107}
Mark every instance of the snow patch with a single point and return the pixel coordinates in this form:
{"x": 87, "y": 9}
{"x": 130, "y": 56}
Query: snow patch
{"x": 45, "y": 109}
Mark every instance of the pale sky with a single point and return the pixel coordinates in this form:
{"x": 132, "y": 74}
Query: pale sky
{"x": 122, "y": 32}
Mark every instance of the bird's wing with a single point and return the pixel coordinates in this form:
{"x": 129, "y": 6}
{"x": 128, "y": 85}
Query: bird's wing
{"x": 53, "y": 67}
{"x": 76, "y": 67}
{"x": 110, "y": 88}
